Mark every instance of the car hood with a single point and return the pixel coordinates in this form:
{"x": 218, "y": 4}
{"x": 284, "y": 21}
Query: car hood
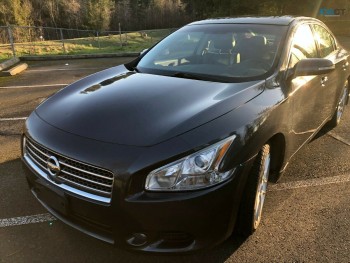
{"x": 123, "y": 107}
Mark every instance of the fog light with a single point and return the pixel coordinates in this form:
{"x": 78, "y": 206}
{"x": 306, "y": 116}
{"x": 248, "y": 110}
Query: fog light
{"x": 137, "y": 239}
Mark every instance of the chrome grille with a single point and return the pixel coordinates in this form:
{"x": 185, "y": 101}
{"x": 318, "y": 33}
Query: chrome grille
{"x": 82, "y": 176}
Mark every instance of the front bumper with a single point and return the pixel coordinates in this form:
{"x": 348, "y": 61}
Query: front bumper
{"x": 136, "y": 219}
{"x": 153, "y": 222}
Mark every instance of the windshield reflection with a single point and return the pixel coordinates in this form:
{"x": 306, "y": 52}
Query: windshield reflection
{"x": 227, "y": 51}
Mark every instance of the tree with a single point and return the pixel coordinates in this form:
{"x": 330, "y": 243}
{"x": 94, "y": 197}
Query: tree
{"x": 141, "y": 14}
{"x": 99, "y": 14}
{"x": 18, "y": 12}
{"x": 5, "y": 16}
{"x": 70, "y": 13}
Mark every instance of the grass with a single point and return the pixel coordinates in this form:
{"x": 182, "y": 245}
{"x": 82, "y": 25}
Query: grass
{"x": 131, "y": 42}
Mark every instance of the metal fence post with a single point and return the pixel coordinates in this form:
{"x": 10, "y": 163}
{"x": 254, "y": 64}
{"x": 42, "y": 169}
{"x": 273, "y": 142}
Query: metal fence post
{"x": 120, "y": 36}
{"x": 98, "y": 40}
{"x": 62, "y": 40}
{"x": 9, "y": 30}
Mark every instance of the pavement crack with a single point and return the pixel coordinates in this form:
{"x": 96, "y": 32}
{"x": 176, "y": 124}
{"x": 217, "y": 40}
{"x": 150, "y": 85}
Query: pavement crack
{"x": 9, "y": 134}
{"x": 17, "y": 251}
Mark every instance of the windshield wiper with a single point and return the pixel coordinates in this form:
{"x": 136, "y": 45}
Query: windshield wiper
{"x": 186, "y": 75}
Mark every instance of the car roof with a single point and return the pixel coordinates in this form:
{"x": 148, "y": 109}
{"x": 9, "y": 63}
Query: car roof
{"x": 266, "y": 20}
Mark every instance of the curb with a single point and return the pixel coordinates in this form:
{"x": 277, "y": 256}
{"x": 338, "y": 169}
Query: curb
{"x": 83, "y": 56}
{"x": 15, "y": 70}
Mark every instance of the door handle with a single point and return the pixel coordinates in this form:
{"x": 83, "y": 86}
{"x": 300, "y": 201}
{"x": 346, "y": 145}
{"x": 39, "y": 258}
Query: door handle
{"x": 324, "y": 80}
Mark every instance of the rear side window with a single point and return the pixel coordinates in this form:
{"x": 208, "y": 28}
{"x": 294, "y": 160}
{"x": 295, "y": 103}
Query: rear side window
{"x": 325, "y": 41}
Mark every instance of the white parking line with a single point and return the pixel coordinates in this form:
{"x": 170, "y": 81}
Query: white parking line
{"x": 25, "y": 220}
{"x": 40, "y": 218}
{"x": 310, "y": 182}
{"x": 13, "y": 119}
{"x": 62, "y": 69}
{"x": 338, "y": 138}
{"x": 33, "y": 86}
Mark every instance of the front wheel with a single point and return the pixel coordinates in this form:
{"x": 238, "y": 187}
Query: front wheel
{"x": 340, "y": 108}
{"x": 253, "y": 197}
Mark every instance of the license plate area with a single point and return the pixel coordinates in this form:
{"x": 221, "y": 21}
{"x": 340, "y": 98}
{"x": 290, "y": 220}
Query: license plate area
{"x": 53, "y": 199}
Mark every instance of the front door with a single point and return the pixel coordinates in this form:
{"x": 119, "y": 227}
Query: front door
{"x": 307, "y": 92}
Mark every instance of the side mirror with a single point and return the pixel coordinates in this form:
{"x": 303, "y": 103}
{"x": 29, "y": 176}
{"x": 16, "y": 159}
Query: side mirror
{"x": 143, "y": 51}
{"x": 313, "y": 66}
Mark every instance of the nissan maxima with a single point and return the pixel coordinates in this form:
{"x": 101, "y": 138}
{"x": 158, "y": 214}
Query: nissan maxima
{"x": 174, "y": 150}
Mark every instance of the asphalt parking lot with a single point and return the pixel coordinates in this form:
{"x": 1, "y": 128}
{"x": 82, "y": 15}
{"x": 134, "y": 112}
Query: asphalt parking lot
{"x": 306, "y": 217}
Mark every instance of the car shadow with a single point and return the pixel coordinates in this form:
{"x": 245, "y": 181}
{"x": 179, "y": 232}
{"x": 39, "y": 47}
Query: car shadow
{"x": 325, "y": 129}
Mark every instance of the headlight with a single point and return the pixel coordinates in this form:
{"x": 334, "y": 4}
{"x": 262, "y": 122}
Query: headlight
{"x": 197, "y": 170}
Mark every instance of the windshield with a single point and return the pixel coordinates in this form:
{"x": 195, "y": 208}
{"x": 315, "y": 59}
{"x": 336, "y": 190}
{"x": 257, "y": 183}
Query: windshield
{"x": 225, "y": 52}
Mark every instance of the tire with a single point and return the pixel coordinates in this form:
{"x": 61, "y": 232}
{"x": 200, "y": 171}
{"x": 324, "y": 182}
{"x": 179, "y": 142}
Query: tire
{"x": 253, "y": 198}
{"x": 334, "y": 122}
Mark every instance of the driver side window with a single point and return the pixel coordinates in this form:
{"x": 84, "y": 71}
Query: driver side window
{"x": 325, "y": 41}
{"x": 303, "y": 46}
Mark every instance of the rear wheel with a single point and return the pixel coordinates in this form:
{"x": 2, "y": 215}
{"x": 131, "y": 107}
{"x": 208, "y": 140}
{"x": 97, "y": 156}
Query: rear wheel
{"x": 340, "y": 108}
{"x": 254, "y": 195}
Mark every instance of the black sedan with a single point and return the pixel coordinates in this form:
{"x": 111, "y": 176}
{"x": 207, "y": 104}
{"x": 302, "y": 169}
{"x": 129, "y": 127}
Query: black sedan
{"x": 172, "y": 151}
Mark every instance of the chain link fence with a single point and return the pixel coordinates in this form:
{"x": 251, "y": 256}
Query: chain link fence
{"x": 38, "y": 41}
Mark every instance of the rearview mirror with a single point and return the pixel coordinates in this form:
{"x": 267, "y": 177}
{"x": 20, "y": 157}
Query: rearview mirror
{"x": 313, "y": 66}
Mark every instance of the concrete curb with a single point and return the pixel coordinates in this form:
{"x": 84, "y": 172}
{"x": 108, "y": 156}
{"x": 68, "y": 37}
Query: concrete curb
{"x": 62, "y": 57}
{"x": 15, "y": 70}
{"x": 9, "y": 63}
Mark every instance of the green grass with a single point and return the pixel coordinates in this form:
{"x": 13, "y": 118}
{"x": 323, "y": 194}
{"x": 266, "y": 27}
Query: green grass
{"x": 131, "y": 42}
